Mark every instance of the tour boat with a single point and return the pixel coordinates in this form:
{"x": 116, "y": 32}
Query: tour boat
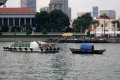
{"x": 87, "y": 49}
{"x": 32, "y": 47}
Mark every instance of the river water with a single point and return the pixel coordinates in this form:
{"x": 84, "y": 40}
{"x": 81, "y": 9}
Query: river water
{"x": 62, "y": 65}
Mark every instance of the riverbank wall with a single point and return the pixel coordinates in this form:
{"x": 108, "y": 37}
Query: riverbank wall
{"x": 22, "y": 39}
{"x": 112, "y": 40}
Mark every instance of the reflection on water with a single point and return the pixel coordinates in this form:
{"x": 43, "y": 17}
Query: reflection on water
{"x": 61, "y": 66}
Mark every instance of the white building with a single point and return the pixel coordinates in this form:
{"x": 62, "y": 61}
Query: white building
{"x": 109, "y": 28}
{"x": 17, "y": 17}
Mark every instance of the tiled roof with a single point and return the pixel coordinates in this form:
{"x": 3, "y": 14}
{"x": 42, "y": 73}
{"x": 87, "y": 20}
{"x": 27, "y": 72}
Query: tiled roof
{"x": 16, "y": 10}
{"x": 106, "y": 15}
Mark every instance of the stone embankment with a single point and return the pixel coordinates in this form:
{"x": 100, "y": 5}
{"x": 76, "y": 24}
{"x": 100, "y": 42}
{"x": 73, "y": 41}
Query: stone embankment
{"x": 62, "y": 40}
{"x": 22, "y": 39}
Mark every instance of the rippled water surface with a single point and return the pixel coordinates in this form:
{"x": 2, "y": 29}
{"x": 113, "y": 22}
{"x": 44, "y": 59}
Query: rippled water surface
{"x": 61, "y": 66}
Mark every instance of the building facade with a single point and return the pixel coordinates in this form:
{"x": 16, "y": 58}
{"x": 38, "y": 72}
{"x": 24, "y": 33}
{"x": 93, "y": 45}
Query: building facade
{"x": 29, "y": 4}
{"x": 55, "y": 4}
{"x": 17, "y": 17}
{"x": 69, "y": 13}
{"x": 44, "y": 9}
{"x": 2, "y": 2}
{"x": 111, "y": 13}
{"x": 109, "y": 27}
{"x": 95, "y": 11}
{"x": 65, "y": 8}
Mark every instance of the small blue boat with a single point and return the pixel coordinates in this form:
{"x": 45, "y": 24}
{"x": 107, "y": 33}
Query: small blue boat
{"x": 87, "y": 49}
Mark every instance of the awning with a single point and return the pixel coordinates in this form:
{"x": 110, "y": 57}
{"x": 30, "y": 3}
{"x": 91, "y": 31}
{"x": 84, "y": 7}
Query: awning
{"x": 67, "y": 34}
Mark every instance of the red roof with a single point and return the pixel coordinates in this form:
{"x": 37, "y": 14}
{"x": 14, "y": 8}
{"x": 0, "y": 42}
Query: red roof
{"x": 16, "y": 10}
{"x": 106, "y": 15}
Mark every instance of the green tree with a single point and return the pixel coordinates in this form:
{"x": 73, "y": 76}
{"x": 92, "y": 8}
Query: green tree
{"x": 5, "y": 28}
{"x": 68, "y": 29}
{"x": 102, "y": 29}
{"x": 15, "y": 29}
{"x": 85, "y": 20}
{"x": 42, "y": 21}
{"x": 79, "y": 25}
{"x": 104, "y": 16}
{"x": 95, "y": 24}
{"x": 87, "y": 17}
{"x": 118, "y": 25}
{"x": 58, "y": 20}
{"x": 114, "y": 22}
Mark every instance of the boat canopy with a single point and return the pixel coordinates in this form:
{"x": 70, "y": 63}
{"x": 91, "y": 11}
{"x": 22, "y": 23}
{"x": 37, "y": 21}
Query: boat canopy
{"x": 86, "y": 47}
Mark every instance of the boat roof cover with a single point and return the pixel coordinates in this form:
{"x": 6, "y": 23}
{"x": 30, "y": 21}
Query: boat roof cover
{"x": 86, "y": 47}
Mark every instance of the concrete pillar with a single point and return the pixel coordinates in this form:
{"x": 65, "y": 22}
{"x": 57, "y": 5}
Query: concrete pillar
{"x": 13, "y": 21}
{"x": 24, "y": 21}
{"x": 2, "y": 21}
{"x": 19, "y": 22}
{"x": 8, "y": 22}
{"x": 30, "y": 21}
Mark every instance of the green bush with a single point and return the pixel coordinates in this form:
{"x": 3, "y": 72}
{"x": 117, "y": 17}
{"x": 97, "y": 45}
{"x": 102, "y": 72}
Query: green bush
{"x": 44, "y": 31}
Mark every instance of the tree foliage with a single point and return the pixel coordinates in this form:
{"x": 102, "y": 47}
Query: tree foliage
{"x": 105, "y": 17}
{"x": 79, "y": 24}
{"x": 15, "y": 29}
{"x": 87, "y": 17}
{"x": 56, "y": 20}
{"x": 4, "y": 28}
{"x": 42, "y": 21}
{"x": 82, "y": 22}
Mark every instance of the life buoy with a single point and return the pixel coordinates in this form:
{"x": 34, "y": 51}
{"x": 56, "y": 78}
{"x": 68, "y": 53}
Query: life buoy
{"x": 20, "y": 48}
{"x": 26, "y": 49}
{"x": 31, "y": 49}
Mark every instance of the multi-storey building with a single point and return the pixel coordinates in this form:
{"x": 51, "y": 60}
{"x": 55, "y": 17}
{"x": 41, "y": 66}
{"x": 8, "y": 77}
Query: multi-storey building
{"x": 60, "y": 5}
{"x": 95, "y": 11}
{"x": 65, "y": 8}
{"x": 17, "y": 17}
{"x": 29, "y": 4}
{"x": 44, "y": 9}
{"x": 69, "y": 13}
{"x": 2, "y": 2}
{"x": 111, "y": 13}
{"x": 55, "y": 4}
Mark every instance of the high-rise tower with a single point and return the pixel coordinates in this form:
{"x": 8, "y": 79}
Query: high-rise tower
{"x": 95, "y": 11}
{"x": 2, "y": 2}
{"x": 65, "y": 8}
{"x": 29, "y": 4}
{"x": 55, "y": 4}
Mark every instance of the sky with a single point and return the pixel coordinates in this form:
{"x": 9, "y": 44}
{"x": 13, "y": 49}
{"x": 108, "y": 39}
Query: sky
{"x": 77, "y": 5}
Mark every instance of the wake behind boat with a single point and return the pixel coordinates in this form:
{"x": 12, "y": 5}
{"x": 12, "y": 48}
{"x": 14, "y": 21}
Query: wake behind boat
{"x": 87, "y": 49}
{"x": 32, "y": 47}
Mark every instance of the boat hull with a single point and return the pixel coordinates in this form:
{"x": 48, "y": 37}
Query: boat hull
{"x": 78, "y": 51}
{"x": 31, "y": 50}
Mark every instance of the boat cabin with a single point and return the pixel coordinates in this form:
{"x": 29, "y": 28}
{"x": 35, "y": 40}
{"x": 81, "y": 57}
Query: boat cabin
{"x": 86, "y": 47}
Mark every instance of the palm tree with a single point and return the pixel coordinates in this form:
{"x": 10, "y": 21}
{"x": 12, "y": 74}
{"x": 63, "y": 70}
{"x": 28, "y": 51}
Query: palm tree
{"x": 95, "y": 24}
{"x": 102, "y": 29}
{"x": 105, "y": 17}
{"x": 114, "y": 22}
